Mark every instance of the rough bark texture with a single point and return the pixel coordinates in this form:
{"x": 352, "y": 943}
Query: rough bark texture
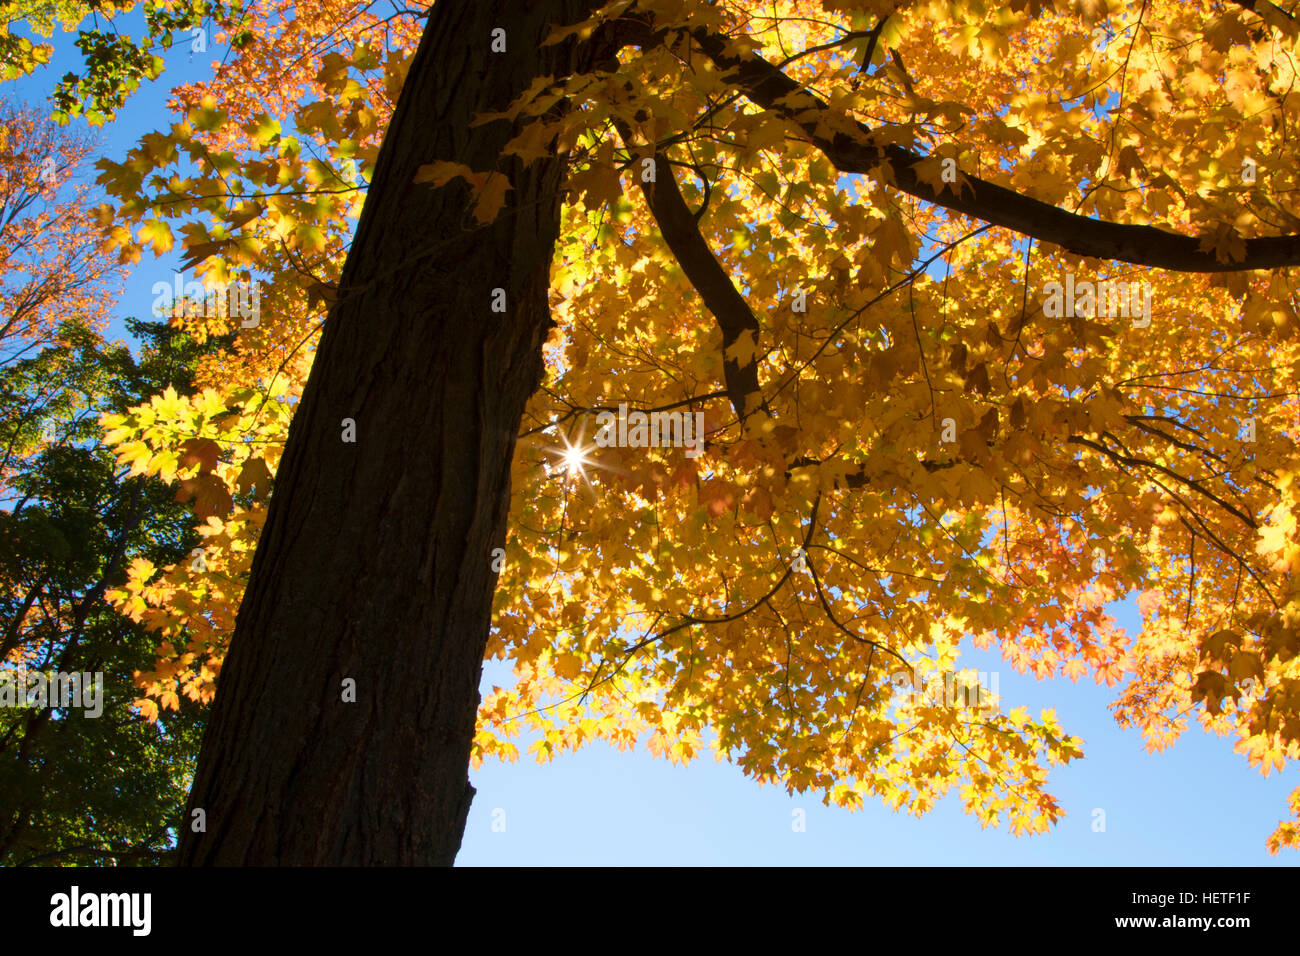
{"x": 375, "y": 562}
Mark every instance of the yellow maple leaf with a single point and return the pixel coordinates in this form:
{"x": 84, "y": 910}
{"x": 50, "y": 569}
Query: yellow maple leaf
{"x": 491, "y": 197}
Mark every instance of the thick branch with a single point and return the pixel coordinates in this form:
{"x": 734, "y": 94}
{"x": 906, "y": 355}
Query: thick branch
{"x": 729, "y": 308}
{"x": 769, "y": 87}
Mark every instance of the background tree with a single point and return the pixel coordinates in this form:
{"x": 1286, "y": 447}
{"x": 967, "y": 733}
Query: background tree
{"x": 909, "y": 443}
{"x": 75, "y": 788}
{"x": 52, "y": 268}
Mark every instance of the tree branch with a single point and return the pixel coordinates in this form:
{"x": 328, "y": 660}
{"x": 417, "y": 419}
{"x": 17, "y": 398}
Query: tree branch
{"x": 734, "y": 317}
{"x": 770, "y": 88}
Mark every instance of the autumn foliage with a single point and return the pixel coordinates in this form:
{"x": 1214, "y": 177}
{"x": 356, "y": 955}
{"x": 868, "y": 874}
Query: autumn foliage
{"x": 51, "y": 266}
{"x": 904, "y": 454}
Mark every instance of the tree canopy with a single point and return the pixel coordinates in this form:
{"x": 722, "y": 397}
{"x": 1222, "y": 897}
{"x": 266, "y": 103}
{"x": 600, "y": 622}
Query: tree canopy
{"x": 987, "y": 311}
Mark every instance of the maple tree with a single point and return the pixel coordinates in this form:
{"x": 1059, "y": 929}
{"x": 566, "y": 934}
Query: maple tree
{"x": 831, "y": 228}
{"x": 52, "y": 268}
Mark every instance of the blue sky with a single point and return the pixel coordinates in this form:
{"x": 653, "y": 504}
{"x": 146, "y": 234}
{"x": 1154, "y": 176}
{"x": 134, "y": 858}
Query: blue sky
{"x": 1198, "y": 803}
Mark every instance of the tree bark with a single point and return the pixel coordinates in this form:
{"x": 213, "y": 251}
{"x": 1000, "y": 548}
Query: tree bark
{"x": 375, "y": 564}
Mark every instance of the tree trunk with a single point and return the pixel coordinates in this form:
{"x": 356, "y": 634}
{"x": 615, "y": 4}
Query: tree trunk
{"x": 375, "y": 564}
